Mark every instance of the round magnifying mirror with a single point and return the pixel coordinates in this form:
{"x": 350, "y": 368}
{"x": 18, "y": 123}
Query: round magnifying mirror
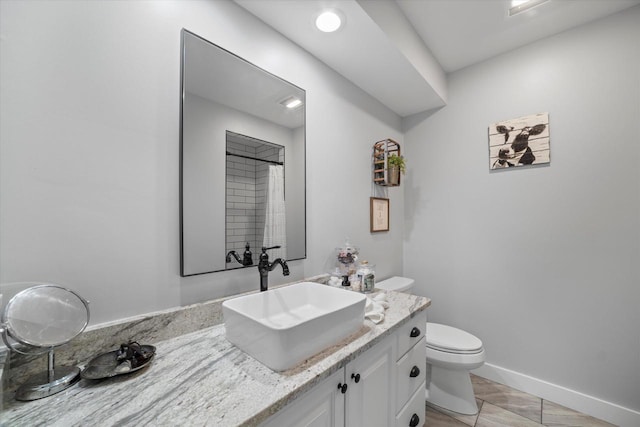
{"x": 45, "y": 317}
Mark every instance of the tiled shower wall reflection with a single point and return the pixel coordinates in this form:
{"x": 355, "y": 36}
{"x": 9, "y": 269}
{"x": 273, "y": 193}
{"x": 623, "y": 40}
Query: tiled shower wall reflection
{"x": 246, "y": 195}
{"x": 241, "y": 200}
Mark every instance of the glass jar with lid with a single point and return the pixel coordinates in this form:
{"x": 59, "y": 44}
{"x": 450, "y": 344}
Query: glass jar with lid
{"x": 347, "y": 257}
{"x": 366, "y": 276}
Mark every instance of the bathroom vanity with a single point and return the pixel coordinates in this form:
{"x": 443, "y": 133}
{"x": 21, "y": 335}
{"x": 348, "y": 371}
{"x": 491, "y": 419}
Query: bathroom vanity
{"x": 201, "y": 378}
{"x": 362, "y": 393}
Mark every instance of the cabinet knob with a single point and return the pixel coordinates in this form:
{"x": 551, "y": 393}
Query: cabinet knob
{"x": 356, "y": 377}
{"x": 415, "y": 332}
{"x": 414, "y": 421}
{"x": 342, "y": 388}
{"x": 415, "y": 371}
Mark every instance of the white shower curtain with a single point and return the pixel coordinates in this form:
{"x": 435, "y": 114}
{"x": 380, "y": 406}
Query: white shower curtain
{"x": 275, "y": 224}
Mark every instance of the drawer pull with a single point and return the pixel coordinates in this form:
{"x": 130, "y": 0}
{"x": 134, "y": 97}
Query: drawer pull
{"x": 415, "y": 332}
{"x": 342, "y": 388}
{"x": 415, "y": 420}
{"x": 356, "y": 377}
{"x": 415, "y": 371}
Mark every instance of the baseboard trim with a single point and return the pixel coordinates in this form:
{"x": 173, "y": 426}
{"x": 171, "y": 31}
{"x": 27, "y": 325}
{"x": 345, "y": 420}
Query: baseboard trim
{"x": 607, "y": 411}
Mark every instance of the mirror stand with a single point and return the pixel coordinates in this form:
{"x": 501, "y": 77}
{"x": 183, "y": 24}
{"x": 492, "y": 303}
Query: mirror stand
{"x": 52, "y": 381}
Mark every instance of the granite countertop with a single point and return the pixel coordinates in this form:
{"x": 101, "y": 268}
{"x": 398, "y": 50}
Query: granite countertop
{"x": 201, "y": 379}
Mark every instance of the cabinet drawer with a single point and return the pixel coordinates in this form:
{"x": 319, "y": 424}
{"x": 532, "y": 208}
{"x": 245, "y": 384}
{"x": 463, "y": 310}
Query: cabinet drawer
{"x": 410, "y": 372}
{"x": 413, "y": 414}
{"x": 411, "y": 332}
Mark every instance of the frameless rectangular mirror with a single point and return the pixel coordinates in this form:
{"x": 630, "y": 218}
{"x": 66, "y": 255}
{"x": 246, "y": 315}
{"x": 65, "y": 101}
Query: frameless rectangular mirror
{"x": 242, "y": 168}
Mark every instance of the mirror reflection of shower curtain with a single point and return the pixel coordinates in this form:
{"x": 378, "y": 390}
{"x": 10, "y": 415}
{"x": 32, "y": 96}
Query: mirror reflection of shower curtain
{"x": 275, "y": 224}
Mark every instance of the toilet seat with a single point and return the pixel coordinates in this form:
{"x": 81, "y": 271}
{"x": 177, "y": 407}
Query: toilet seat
{"x": 451, "y": 340}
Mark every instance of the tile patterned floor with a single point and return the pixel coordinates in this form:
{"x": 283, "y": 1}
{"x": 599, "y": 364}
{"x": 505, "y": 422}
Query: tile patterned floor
{"x": 502, "y": 406}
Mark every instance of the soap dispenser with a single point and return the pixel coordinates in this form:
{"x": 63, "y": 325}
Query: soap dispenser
{"x": 247, "y": 256}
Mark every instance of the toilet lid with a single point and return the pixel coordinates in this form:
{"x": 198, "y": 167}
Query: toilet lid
{"x": 451, "y": 339}
{"x": 395, "y": 283}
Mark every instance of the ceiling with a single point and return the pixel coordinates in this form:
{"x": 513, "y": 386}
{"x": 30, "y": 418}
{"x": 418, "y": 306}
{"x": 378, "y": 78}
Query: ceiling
{"x": 464, "y": 32}
{"x": 223, "y": 78}
{"x": 399, "y": 51}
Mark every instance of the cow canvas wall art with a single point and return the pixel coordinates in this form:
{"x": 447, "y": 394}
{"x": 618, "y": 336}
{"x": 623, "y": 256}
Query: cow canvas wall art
{"x": 519, "y": 142}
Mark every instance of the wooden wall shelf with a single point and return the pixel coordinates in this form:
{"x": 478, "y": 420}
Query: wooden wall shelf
{"x": 381, "y": 152}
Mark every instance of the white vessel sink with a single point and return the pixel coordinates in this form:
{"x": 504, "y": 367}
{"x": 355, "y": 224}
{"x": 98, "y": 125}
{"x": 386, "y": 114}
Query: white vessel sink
{"x": 283, "y": 327}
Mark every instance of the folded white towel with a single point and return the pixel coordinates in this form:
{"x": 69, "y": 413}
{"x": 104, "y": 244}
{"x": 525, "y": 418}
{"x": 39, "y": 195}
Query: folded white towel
{"x": 381, "y": 299}
{"x": 375, "y": 307}
{"x": 335, "y": 281}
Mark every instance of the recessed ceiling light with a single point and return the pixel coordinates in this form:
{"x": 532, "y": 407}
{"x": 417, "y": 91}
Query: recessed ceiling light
{"x": 329, "y": 21}
{"x": 291, "y": 102}
{"x": 518, "y": 6}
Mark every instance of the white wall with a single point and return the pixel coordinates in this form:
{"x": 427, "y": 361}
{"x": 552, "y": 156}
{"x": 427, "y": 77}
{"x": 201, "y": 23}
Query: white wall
{"x": 542, "y": 264}
{"x": 89, "y": 150}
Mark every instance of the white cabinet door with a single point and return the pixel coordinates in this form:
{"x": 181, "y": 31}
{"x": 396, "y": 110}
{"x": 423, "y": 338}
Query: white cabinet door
{"x": 370, "y": 397}
{"x": 322, "y": 406}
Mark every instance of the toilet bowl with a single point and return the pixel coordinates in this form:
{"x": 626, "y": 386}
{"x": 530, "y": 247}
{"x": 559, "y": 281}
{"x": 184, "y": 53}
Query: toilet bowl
{"x": 451, "y": 354}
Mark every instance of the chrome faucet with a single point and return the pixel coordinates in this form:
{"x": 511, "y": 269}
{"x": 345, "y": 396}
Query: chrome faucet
{"x": 264, "y": 267}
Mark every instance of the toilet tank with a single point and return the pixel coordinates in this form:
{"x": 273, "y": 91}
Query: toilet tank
{"x": 396, "y": 283}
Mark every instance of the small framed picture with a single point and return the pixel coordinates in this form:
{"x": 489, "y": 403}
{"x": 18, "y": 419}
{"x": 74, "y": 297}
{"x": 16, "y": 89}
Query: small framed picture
{"x": 379, "y": 214}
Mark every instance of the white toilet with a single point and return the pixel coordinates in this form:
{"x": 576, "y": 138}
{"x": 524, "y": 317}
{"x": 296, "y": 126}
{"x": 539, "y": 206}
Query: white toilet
{"x": 451, "y": 354}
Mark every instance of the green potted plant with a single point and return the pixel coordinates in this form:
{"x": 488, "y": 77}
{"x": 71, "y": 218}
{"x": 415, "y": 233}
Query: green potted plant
{"x": 396, "y": 165}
